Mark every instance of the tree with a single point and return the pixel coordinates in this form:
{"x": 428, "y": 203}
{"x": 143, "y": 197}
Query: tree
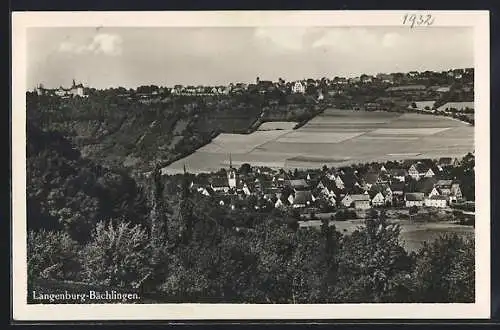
{"x": 119, "y": 255}
{"x": 413, "y": 210}
{"x": 373, "y": 264}
{"x": 445, "y": 270}
{"x": 245, "y": 169}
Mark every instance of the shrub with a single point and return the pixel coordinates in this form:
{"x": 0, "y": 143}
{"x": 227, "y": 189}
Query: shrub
{"x": 52, "y": 254}
{"x": 118, "y": 255}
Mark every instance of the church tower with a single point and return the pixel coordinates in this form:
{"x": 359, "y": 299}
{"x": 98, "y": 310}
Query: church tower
{"x": 231, "y": 174}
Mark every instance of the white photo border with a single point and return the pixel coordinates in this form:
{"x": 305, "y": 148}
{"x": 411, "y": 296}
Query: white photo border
{"x": 478, "y": 20}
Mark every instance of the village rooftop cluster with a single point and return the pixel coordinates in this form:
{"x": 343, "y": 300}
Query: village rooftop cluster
{"x": 394, "y": 82}
{"x": 422, "y": 183}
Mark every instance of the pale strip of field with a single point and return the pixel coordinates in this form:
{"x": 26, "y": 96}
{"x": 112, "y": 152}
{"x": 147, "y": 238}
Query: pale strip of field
{"x": 408, "y": 131}
{"x": 361, "y": 114}
{"x": 422, "y": 104}
{"x": 317, "y": 159}
{"x": 421, "y": 120}
{"x": 241, "y": 143}
{"x": 325, "y": 120}
{"x": 391, "y": 138}
{"x": 326, "y": 129}
{"x": 407, "y": 154}
{"x": 277, "y": 125}
{"x": 314, "y": 137}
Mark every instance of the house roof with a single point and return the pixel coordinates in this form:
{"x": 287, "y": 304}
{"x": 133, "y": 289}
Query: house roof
{"x": 426, "y": 185}
{"x": 444, "y": 183}
{"x": 373, "y": 193}
{"x": 421, "y": 167}
{"x": 397, "y": 186}
{"x": 219, "y": 182}
{"x": 349, "y": 179}
{"x": 414, "y": 196}
{"x": 360, "y": 197}
{"x": 302, "y": 197}
{"x": 438, "y": 197}
{"x": 298, "y": 183}
{"x": 398, "y": 172}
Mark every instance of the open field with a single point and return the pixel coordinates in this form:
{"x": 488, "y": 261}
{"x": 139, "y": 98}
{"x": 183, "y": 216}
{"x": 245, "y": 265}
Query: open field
{"x": 337, "y": 138}
{"x": 412, "y": 234}
{"x": 277, "y": 125}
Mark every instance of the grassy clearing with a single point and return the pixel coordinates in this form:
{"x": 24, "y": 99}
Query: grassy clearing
{"x": 277, "y": 125}
{"x": 312, "y": 137}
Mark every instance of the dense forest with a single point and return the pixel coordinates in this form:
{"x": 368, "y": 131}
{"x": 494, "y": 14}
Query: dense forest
{"x": 95, "y": 225}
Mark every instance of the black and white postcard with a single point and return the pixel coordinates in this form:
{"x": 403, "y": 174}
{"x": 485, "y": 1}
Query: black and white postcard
{"x": 250, "y": 165}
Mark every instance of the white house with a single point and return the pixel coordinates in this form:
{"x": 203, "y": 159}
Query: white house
{"x": 378, "y": 199}
{"x": 436, "y": 201}
{"x": 347, "y": 200}
{"x": 360, "y": 201}
{"x": 435, "y": 192}
{"x": 299, "y": 88}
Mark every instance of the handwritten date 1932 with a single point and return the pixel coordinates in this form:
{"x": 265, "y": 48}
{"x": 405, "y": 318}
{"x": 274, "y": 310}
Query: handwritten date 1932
{"x": 414, "y": 20}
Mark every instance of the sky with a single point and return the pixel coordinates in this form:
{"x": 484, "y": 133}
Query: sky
{"x": 165, "y": 56}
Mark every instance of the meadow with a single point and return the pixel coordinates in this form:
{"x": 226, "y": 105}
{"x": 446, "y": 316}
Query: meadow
{"x": 413, "y": 234}
{"x": 336, "y": 138}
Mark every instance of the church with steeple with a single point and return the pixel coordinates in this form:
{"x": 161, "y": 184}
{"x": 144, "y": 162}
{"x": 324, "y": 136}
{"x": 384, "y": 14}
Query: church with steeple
{"x": 231, "y": 175}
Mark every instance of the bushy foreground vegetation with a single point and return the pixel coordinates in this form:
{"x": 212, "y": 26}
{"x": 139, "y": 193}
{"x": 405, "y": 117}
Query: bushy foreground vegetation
{"x": 271, "y": 263}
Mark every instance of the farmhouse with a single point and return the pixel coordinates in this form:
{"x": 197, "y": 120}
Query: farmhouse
{"x": 420, "y": 170}
{"x": 381, "y": 194}
{"x": 414, "y": 199}
{"x": 378, "y": 199}
{"x": 359, "y": 201}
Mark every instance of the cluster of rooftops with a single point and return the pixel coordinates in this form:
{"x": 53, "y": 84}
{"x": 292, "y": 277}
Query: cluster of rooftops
{"x": 421, "y": 183}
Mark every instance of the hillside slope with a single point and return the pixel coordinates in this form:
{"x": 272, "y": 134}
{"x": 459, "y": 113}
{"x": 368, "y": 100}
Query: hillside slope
{"x": 117, "y": 131}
